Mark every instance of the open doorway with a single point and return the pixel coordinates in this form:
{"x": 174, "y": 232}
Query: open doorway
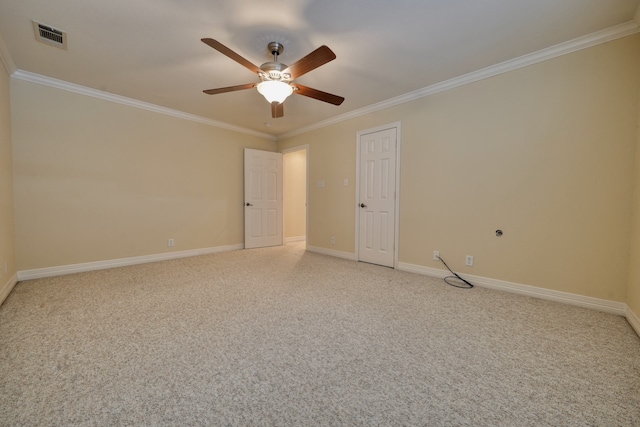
{"x": 295, "y": 166}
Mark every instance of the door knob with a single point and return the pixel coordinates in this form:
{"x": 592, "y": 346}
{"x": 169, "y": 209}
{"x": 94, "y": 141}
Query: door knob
{"x": 248, "y": 204}
{"x": 362, "y": 205}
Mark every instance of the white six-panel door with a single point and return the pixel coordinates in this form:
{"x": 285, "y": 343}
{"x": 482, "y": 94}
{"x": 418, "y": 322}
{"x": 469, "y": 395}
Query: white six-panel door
{"x": 263, "y": 198}
{"x": 377, "y": 182}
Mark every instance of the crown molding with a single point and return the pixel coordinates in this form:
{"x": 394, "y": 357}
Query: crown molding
{"x": 593, "y": 39}
{"x": 83, "y": 90}
{"x": 6, "y": 58}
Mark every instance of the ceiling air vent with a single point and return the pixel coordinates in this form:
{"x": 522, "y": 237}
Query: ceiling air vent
{"x": 50, "y": 35}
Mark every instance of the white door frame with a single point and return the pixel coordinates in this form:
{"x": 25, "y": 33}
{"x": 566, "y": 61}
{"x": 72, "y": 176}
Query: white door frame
{"x": 306, "y": 202}
{"x": 397, "y": 126}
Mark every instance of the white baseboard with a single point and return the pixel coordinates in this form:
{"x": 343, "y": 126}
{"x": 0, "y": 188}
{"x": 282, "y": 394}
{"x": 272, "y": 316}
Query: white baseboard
{"x": 120, "y": 262}
{"x": 8, "y": 287}
{"x": 613, "y": 307}
{"x": 607, "y": 306}
{"x": 332, "y": 252}
{"x": 633, "y": 319}
{"x": 295, "y": 239}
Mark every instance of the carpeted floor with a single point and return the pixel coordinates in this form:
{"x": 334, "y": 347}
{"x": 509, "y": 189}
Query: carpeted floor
{"x": 280, "y": 337}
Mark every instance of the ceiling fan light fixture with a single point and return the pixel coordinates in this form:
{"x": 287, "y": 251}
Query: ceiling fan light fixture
{"x": 276, "y": 78}
{"x": 275, "y": 91}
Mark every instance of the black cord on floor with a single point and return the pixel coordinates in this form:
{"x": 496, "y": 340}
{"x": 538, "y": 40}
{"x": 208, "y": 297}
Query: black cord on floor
{"x": 455, "y": 276}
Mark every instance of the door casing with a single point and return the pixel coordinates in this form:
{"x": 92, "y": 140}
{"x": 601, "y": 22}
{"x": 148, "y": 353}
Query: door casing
{"x": 305, "y": 148}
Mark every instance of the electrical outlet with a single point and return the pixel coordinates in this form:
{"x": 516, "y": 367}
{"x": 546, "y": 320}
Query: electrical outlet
{"x": 170, "y": 243}
{"x": 469, "y": 261}
{"x": 436, "y": 255}
{"x": 333, "y": 240}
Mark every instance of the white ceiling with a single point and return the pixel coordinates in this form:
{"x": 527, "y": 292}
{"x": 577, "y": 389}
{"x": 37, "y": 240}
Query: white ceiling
{"x": 151, "y": 50}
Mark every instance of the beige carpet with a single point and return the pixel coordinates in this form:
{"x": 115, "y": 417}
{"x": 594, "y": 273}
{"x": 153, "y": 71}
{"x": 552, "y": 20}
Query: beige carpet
{"x": 280, "y": 337}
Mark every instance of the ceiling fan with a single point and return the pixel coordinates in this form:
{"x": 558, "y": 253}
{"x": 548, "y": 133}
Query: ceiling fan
{"x": 276, "y": 79}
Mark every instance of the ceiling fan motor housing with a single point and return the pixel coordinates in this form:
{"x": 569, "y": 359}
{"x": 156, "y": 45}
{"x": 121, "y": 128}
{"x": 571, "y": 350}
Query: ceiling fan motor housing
{"x": 274, "y": 71}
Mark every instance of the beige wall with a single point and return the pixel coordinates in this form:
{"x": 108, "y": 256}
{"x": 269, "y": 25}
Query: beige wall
{"x": 295, "y": 194}
{"x": 633, "y": 291}
{"x": 7, "y": 253}
{"x": 545, "y": 153}
{"x": 331, "y": 208}
{"x": 96, "y": 180}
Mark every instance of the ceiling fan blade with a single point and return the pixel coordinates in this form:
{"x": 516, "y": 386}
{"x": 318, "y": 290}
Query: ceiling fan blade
{"x": 277, "y": 109}
{"x": 318, "y": 57}
{"x": 231, "y": 54}
{"x": 229, "y": 89}
{"x": 317, "y": 94}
